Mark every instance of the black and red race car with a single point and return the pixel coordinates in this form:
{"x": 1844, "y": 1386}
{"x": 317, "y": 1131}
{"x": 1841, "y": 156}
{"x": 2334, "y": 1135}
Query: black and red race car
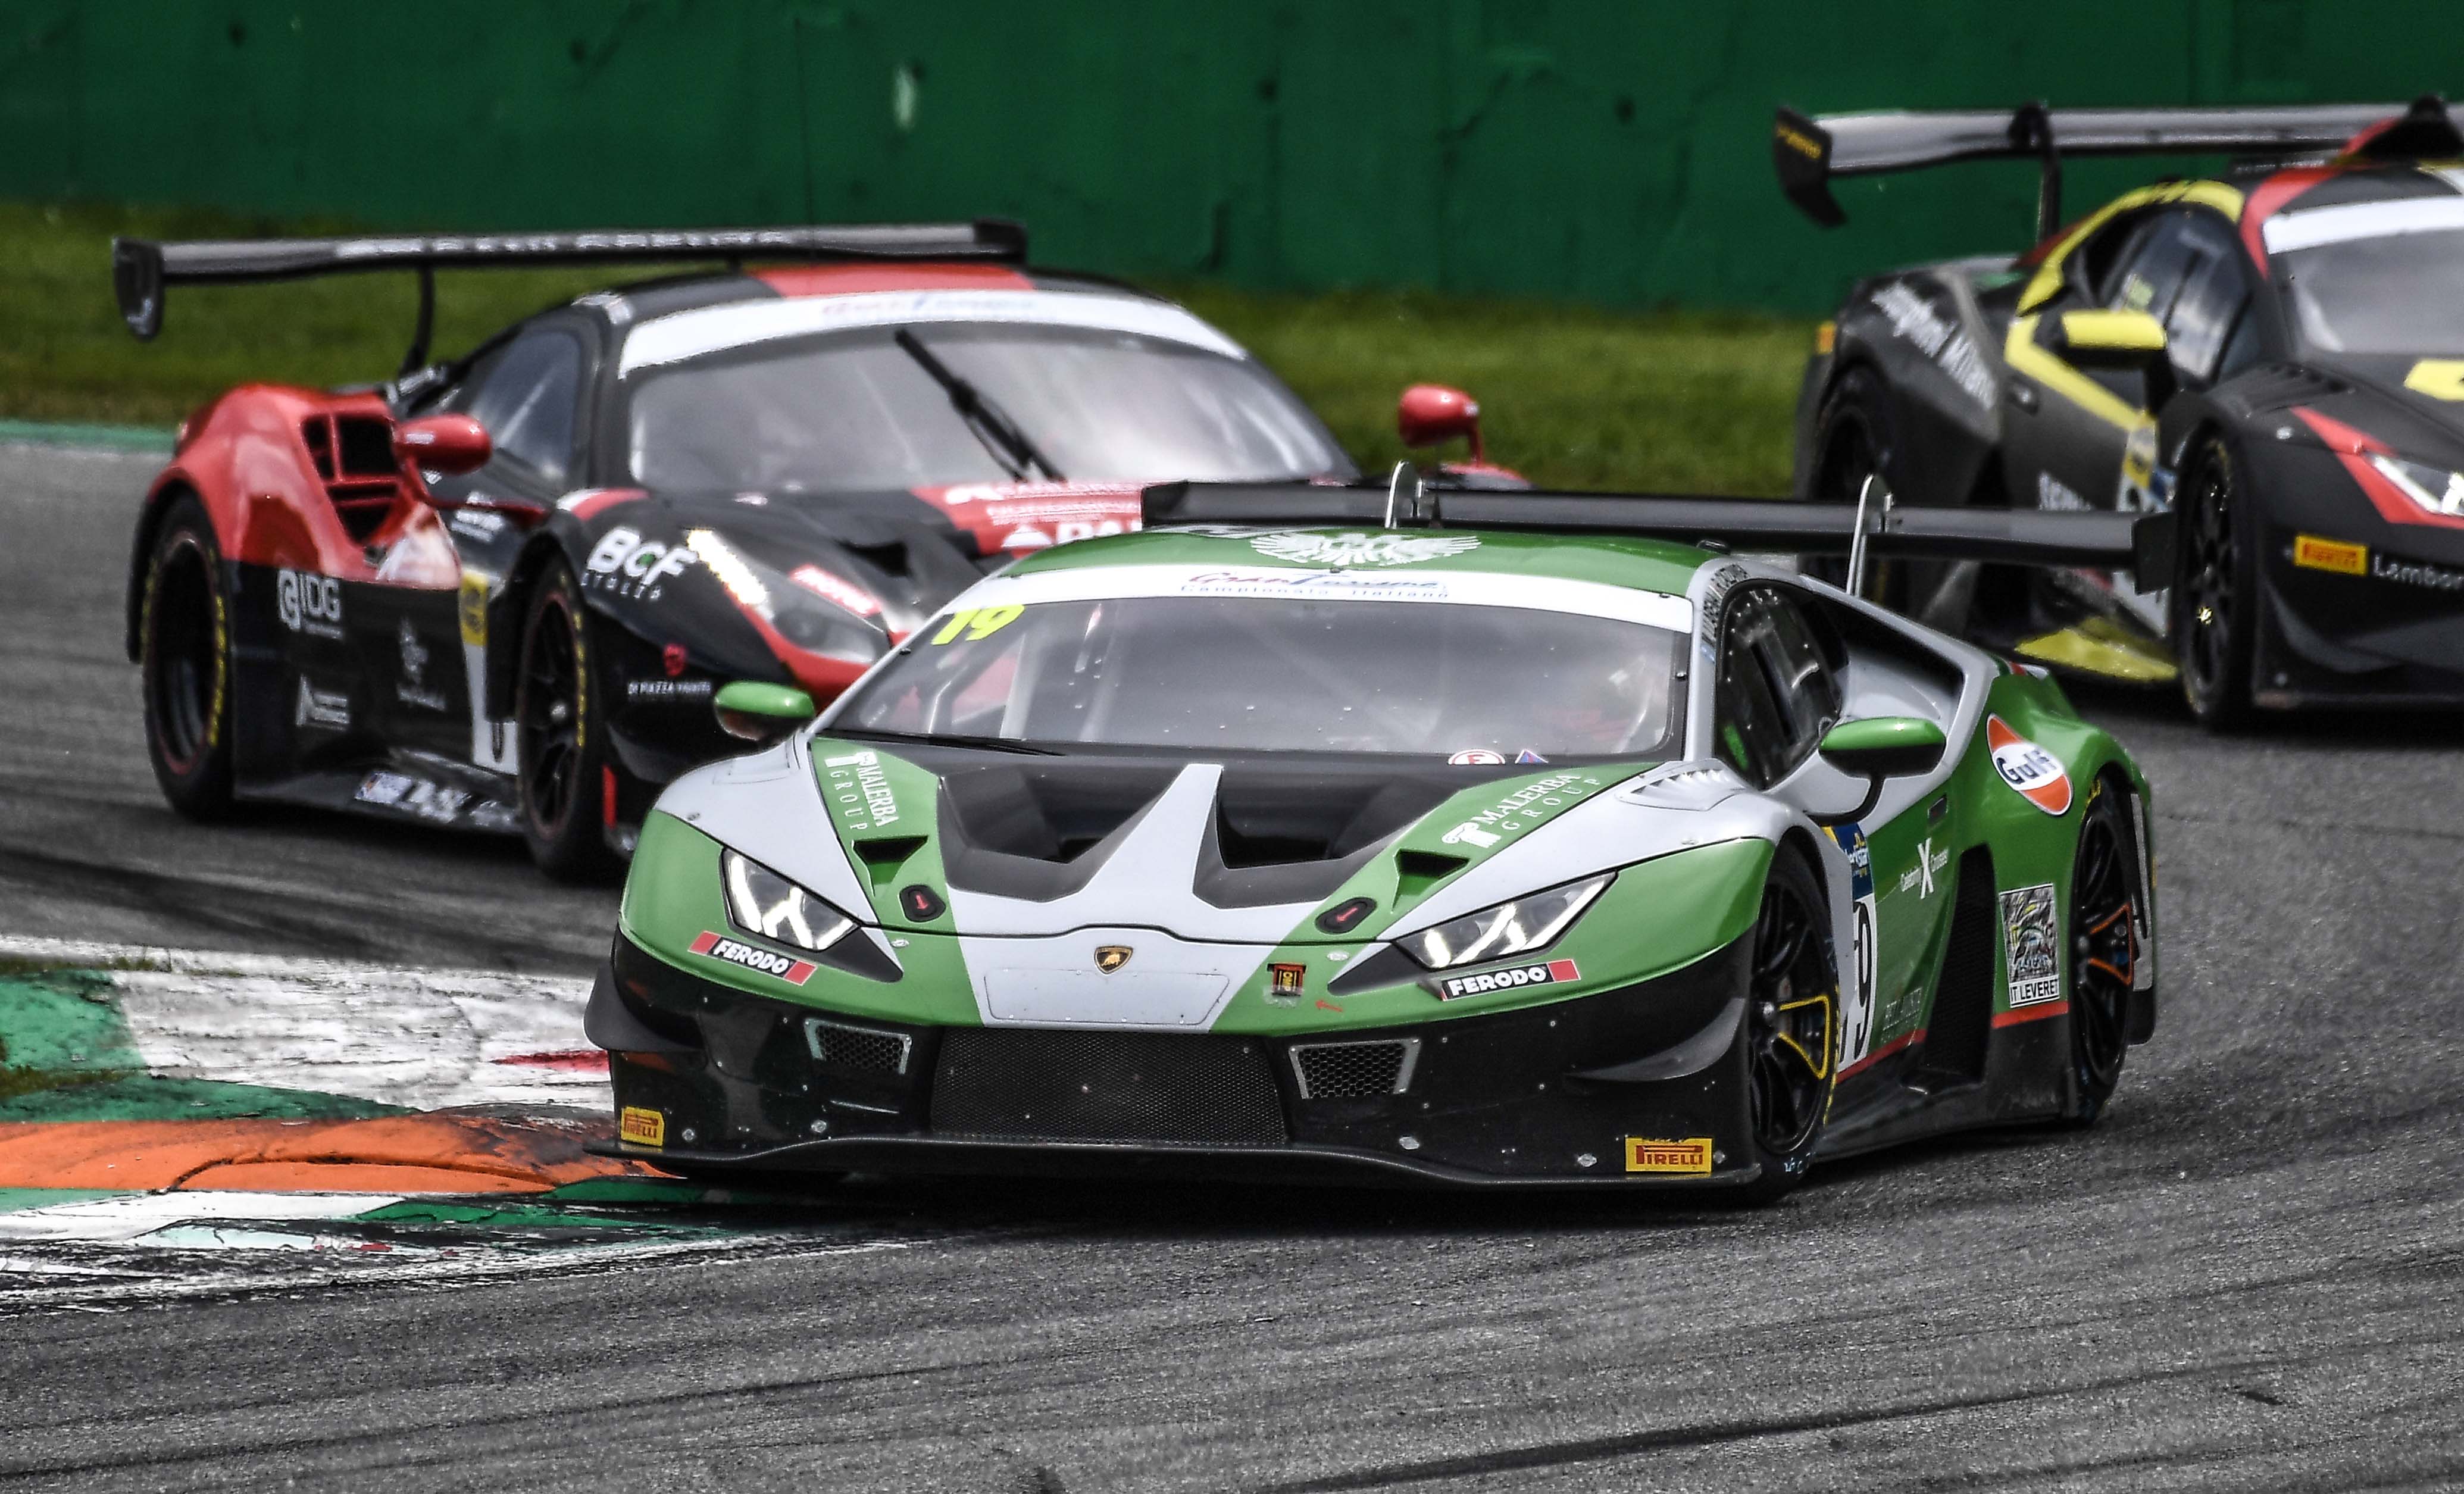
{"x": 501, "y": 592}
{"x": 2280, "y": 353}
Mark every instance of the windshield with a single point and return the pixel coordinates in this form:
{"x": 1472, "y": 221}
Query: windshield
{"x": 2402, "y": 293}
{"x": 854, "y": 411}
{"x": 1250, "y": 674}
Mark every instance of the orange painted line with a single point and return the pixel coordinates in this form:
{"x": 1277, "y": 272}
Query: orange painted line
{"x": 2011, "y": 1019}
{"x": 394, "y": 1153}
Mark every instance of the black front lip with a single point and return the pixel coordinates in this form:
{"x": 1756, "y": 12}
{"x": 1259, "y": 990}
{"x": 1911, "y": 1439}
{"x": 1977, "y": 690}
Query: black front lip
{"x": 1542, "y": 1095}
{"x": 1291, "y": 1163}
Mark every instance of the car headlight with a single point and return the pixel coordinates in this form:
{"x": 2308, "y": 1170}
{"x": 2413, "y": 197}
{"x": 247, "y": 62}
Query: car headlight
{"x": 761, "y": 902}
{"x": 815, "y": 610}
{"x": 1516, "y": 928}
{"x": 2435, "y": 489}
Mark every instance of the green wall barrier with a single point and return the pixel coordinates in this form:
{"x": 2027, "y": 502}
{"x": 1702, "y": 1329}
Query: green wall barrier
{"x": 1613, "y": 151}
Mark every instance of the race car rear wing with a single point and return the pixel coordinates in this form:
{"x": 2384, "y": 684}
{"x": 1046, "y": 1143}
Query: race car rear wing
{"x": 2139, "y": 544}
{"x": 1809, "y": 150}
{"x": 143, "y": 270}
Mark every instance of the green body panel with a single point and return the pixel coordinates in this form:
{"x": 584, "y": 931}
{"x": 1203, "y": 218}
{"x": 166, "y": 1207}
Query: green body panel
{"x": 1658, "y": 916}
{"x": 1610, "y": 560}
{"x": 877, "y": 800}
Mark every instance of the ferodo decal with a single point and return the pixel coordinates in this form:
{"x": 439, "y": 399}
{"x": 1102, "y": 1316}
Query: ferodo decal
{"x": 1857, "y": 995}
{"x": 2031, "y": 771}
{"x": 2313, "y": 552}
{"x": 1691, "y": 1157}
{"x": 637, "y": 1127}
{"x": 1361, "y": 549}
{"x": 978, "y": 622}
{"x": 2031, "y": 944}
{"x": 1531, "y": 804}
{"x": 735, "y": 951}
{"x": 624, "y": 564}
{"x": 859, "y": 792}
{"x": 1513, "y": 977}
{"x": 309, "y": 604}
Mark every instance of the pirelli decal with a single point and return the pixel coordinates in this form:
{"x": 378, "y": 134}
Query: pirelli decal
{"x": 735, "y": 951}
{"x": 637, "y": 1127}
{"x": 1689, "y": 1157}
{"x": 2331, "y": 554}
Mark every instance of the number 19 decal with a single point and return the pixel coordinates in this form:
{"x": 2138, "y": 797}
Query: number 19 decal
{"x": 978, "y": 622}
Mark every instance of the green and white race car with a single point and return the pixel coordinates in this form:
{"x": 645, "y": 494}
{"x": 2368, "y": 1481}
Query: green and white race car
{"x": 1441, "y": 855}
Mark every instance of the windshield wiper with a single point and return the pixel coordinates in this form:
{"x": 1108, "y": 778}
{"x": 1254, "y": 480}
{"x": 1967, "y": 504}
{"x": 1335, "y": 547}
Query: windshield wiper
{"x": 945, "y": 739}
{"x": 999, "y": 434}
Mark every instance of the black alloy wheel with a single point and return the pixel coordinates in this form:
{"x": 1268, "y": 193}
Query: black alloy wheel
{"x": 560, "y": 735}
{"x": 184, "y": 641}
{"x": 2103, "y": 949}
{"x": 2212, "y": 621}
{"x": 1790, "y": 1029}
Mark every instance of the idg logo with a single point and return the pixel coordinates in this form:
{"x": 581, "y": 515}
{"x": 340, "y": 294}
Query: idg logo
{"x": 309, "y": 604}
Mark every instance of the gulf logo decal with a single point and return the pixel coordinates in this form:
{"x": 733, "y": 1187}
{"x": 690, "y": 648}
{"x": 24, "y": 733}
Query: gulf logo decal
{"x": 2028, "y": 768}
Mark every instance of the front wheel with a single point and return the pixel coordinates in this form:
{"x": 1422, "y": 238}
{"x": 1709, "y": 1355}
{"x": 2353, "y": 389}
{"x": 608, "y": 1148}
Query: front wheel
{"x": 1790, "y": 1033}
{"x": 562, "y": 735}
{"x": 2105, "y": 952}
{"x": 184, "y": 658}
{"x": 2214, "y": 609}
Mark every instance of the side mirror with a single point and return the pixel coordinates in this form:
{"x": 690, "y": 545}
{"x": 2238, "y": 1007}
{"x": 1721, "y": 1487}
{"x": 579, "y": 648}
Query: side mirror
{"x": 1430, "y": 414}
{"x": 760, "y": 712}
{"x": 453, "y": 444}
{"x": 2122, "y": 340}
{"x": 1876, "y": 749}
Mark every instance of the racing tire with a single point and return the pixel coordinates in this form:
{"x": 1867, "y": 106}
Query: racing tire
{"x": 560, "y": 735}
{"x": 2213, "y": 608}
{"x": 1788, "y": 1042}
{"x": 1854, "y": 439}
{"x": 2104, "y": 949}
{"x": 184, "y": 664}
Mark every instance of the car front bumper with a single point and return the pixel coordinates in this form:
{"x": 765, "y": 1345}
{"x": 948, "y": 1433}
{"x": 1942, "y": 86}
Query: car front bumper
{"x": 1567, "y": 1094}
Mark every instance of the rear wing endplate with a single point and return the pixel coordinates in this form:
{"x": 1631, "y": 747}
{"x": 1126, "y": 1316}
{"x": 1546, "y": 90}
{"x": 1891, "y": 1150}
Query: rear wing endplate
{"x": 1809, "y": 150}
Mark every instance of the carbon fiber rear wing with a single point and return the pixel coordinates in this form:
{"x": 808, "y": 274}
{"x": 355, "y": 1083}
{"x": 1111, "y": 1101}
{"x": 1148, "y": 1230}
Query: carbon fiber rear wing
{"x": 1809, "y": 150}
{"x": 143, "y": 270}
{"x": 2139, "y": 544}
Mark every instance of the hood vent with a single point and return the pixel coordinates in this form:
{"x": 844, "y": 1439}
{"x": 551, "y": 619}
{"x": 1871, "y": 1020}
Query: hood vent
{"x": 2274, "y": 386}
{"x": 353, "y": 455}
{"x": 1416, "y": 872}
{"x": 884, "y": 854}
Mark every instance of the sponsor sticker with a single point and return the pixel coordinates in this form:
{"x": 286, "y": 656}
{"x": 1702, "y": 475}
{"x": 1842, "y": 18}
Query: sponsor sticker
{"x": 637, "y": 1127}
{"x": 2031, "y": 944}
{"x": 476, "y": 523}
{"x": 1315, "y": 585}
{"x": 859, "y": 792}
{"x": 1476, "y": 758}
{"x": 627, "y": 565}
{"x": 309, "y": 604}
{"x": 1914, "y": 318}
{"x": 1283, "y": 984}
{"x": 1361, "y": 549}
{"x": 1856, "y": 1021}
{"x": 1715, "y": 595}
{"x": 2417, "y": 573}
{"x": 1527, "y": 806}
{"x": 328, "y": 709}
{"x": 416, "y": 795}
{"x": 2032, "y": 772}
{"x": 735, "y": 951}
{"x": 2058, "y": 496}
{"x": 413, "y": 689}
{"x": 1018, "y": 517}
{"x": 978, "y": 622}
{"x": 471, "y": 608}
{"x": 1691, "y": 1157}
{"x": 2313, "y": 553}
{"x": 1513, "y": 977}
{"x": 669, "y": 692}
{"x": 1931, "y": 861}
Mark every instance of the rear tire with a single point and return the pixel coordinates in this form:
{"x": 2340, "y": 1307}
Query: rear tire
{"x": 560, "y": 735}
{"x": 183, "y": 661}
{"x": 1790, "y": 1038}
{"x": 2214, "y": 618}
{"x": 2104, "y": 949}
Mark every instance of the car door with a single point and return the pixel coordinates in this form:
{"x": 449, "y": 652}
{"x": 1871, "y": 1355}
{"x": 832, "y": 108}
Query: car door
{"x": 527, "y": 393}
{"x": 1778, "y": 690}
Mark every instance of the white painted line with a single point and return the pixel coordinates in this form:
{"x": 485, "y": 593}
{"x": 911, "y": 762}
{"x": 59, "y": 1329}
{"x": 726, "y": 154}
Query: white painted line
{"x": 132, "y": 1217}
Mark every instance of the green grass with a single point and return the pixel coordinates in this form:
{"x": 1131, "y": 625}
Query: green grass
{"x": 1571, "y": 397}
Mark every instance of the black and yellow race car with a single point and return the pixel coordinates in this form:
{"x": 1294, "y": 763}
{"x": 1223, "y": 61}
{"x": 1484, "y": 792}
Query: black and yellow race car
{"x": 2279, "y": 352}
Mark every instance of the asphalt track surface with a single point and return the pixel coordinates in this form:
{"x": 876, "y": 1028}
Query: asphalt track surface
{"x": 2251, "y": 1274}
